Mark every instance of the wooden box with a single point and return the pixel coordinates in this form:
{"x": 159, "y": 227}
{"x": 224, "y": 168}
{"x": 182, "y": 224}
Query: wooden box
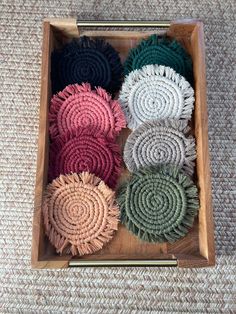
{"x": 194, "y": 250}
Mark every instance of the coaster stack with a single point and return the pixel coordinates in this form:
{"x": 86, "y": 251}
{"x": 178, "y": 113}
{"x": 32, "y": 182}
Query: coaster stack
{"x": 80, "y": 212}
{"x": 158, "y": 203}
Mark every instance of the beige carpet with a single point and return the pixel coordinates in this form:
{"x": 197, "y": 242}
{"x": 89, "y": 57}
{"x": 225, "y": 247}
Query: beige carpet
{"x": 109, "y": 290}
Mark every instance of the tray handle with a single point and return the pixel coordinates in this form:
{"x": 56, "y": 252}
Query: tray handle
{"x": 118, "y": 23}
{"x": 103, "y": 263}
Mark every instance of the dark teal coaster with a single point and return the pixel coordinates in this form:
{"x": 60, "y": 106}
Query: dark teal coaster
{"x": 161, "y": 51}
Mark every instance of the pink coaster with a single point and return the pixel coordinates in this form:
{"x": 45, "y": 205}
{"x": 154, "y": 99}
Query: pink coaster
{"x": 80, "y": 106}
{"x": 83, "y": 150}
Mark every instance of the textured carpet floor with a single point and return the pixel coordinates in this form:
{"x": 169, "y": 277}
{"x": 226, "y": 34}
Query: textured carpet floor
{"x": 104, "y": 290}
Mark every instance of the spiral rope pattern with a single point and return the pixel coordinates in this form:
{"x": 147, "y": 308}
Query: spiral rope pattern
{"x": 86, "y": 60}
{"x": 160, "y": 142}
{"x": 158, "y": 204}
{"x": 83, "y": 150}
{"x": 162, "y": 51}
{"x": 80, "y": 106}
{"x": 155, "y": 92}
{"x": 79, "y": 213}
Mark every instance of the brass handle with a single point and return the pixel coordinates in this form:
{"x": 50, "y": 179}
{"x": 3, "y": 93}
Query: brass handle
{"x": 80, "y": 263}
{"x": 128, "y": 23}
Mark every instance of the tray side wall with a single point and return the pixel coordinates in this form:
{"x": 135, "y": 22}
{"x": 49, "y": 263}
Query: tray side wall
{"x": 42, "y": 157}
{"x": 206, "y": 224}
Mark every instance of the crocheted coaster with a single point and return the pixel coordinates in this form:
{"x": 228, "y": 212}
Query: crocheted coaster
{"x": 86, "y": 60}
{"x": 79, "y": 105}
{"x": 155, "y": 92}
{"x": 160, "y": 142}
{"x": 158, "y": 204}
{"x": 162, "y": 51}
{"x": 79, "y": 213}
{"x": 83, "y": 150}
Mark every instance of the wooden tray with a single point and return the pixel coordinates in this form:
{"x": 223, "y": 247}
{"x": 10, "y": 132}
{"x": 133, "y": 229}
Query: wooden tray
{"x": 194, "y": 250}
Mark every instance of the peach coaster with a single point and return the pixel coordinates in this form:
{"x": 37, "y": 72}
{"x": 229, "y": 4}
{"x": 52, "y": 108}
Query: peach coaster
{"x": 80, "y": 213}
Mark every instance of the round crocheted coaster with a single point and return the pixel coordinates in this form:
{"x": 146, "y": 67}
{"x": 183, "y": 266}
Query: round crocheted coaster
{"x": 155, "y": 92}
{"x": 160, "y": 142}
{"x": 86, "y": 60}
{"x": 79, "y": 213}
{"x": 158, "y": 204}
{"x": 79, "y": 105}
{"x": 83, "y": 150}
{"x": 162, "y": 51}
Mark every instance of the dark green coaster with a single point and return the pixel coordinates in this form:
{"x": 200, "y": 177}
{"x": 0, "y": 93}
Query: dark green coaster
{"x": 161, "y": 51}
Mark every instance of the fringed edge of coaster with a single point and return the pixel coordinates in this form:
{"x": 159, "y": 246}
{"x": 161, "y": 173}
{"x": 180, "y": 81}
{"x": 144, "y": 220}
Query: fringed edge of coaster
{"x": 118, "y": 114}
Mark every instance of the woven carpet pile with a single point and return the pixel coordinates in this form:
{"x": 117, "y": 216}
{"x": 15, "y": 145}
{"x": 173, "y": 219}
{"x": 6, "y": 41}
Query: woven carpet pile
{"x": 109, "y": 290}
